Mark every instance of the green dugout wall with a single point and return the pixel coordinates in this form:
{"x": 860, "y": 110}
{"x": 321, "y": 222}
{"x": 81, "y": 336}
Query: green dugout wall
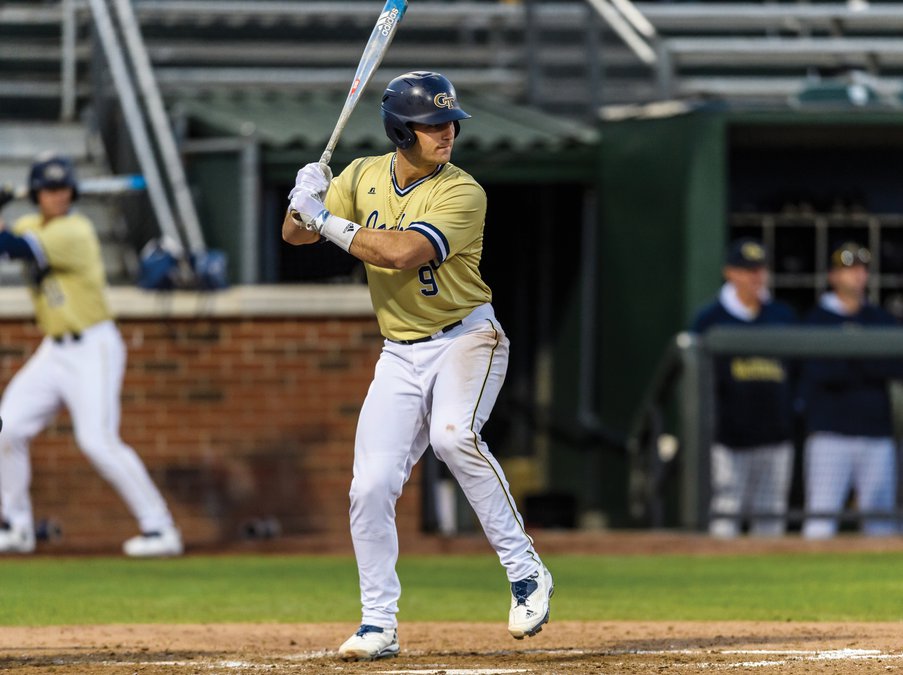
{"x": 667, "y": 187}
{"x": 662, "y": 215}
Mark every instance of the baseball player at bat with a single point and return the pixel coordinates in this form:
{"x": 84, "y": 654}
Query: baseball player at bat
{"x": 80, "y": 363}
{"x": 416, "y": 221}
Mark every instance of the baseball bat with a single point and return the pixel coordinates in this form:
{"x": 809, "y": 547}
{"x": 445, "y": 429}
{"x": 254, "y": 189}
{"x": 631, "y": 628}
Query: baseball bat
{"x": 99, "y": 185}
{"x": 374, "y": 51}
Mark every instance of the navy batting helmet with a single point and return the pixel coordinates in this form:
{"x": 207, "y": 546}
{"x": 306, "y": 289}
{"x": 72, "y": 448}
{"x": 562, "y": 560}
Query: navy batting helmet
{"x": 422, "y": 97}
{"x": 50, "y": 172}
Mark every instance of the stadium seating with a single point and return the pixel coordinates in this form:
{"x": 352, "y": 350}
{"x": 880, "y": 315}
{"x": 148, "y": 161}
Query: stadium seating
{"x": 560, "y": 56}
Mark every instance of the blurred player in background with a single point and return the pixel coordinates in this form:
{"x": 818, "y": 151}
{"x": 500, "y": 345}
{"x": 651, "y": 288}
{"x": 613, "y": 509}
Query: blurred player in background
{"x": 848, "y": 410}
{"x": 80, "y": 363}
{"x": 752, "y": 457}
{"x": 416, "y": 221}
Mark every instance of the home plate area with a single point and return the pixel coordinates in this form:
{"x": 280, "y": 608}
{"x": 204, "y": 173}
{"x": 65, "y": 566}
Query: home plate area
{"x": 567, "y": 647}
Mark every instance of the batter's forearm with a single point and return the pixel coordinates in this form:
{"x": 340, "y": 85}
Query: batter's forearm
{"x": 392, "y": 249}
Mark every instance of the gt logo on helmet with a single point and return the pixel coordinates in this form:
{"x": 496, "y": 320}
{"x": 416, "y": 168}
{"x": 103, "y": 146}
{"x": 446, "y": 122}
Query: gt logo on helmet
{"x": 55, "y": 173}
{"x": 443, "y": 100}
{"x": 418, "y": 97}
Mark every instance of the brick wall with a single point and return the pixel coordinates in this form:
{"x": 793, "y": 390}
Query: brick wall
{"x": 236, "y": 418}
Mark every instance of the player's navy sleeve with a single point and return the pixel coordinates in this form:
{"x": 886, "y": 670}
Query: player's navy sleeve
{"x": 17, "y": 247}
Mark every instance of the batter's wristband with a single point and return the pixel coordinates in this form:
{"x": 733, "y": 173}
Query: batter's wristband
{"x": 337, "y": 230}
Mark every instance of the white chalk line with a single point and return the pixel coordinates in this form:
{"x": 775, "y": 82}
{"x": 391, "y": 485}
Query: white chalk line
{"x": 455, "y": 671}
{"x": 790, "y": 656}
{"x": 244, "y": 665}
{"x": 785, "y": 657}
{"x": 197, "y": 665}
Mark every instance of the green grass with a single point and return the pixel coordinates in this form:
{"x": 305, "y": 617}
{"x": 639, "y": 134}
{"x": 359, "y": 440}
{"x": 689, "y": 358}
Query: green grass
{"x": 215, "y": 589}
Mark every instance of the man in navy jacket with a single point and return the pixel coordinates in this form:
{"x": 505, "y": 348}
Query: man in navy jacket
{"x": 752, "y": 457}
{"x": 848, "y": 412}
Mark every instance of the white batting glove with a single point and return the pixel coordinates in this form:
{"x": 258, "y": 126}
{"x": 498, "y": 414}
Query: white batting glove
{"x": 308, "y": 211}
{"x": 302, "y": 190}
{"x": 312, "y": 180}
{"x": 315, "y": 177}
{"x": 306, "y": 206}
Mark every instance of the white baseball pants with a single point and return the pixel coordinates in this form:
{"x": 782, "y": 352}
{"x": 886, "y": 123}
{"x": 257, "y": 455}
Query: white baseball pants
{"x": 750, "y": 480}
{"x": 438, "y": 393}
{"x": 834, "y": 464}
{"x": 86, "y": 376}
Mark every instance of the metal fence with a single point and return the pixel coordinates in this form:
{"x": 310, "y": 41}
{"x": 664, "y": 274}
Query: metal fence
{"x": 672, "y": 433}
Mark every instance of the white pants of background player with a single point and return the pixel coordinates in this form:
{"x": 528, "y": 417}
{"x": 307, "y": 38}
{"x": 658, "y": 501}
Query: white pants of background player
{"x": 835, "y": 463}
{"x": 85, "y": 375}
{"x": 750, "y": 480}
{"x": 438, "y": 393}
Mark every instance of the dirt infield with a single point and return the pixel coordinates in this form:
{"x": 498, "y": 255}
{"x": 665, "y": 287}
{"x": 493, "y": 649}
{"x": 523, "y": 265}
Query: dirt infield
{"x": 460, "y": 649}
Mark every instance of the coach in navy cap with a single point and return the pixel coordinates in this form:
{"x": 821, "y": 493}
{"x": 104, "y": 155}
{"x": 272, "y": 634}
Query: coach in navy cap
{"x": 752, "y": 457}
{"x": 746, "y": 253}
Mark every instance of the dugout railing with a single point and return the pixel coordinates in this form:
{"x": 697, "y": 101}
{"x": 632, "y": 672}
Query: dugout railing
{"x": 671, "y": 434}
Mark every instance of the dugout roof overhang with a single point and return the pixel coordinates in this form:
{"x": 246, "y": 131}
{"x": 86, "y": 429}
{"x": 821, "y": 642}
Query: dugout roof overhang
{"x": 502, "y": 142}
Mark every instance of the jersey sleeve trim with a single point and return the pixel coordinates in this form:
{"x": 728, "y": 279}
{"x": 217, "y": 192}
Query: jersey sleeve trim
{"x": 437, "y": 239}
{"x": 36, "y": 250}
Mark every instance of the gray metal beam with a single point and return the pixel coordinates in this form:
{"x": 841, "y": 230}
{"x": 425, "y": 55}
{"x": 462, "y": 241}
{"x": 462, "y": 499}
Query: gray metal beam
{"x": 159, "y": 122}
{"x": 68, "y": 61}
{"x": 135, "y": 123}
{"x": 806, "y": 342}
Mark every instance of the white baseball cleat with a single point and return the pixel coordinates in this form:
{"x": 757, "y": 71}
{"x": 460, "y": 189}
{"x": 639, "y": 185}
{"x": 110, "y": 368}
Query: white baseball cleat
{"x": 15, "y": 540}
{"x": 162, "y": 544}
{"x": 370, "y": 643}
{"x": 530, "y": 604}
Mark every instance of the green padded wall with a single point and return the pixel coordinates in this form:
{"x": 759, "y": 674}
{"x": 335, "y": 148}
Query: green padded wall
{"x": 662, "y": 236}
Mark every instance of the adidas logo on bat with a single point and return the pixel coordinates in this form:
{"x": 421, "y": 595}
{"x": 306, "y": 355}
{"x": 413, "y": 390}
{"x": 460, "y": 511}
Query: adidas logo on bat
{"x": 386, "y": 21}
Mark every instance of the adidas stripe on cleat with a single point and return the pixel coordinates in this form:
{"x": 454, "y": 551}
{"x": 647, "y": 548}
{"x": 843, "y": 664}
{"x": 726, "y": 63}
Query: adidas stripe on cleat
{"x": 530, "y": 604}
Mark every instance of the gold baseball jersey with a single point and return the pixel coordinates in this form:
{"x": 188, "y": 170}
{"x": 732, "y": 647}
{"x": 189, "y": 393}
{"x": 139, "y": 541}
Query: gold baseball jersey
{"x": 66, "y": 279}
{"x": 448, "y": 207}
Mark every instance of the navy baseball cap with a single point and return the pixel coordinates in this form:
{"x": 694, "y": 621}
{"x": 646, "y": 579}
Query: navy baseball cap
{"x": 849, "y": 254}
{"x": 747, "y": 253}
